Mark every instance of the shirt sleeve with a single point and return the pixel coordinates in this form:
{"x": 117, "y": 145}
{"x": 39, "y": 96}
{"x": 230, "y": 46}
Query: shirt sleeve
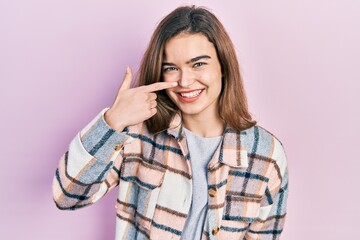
{"x": 270, "y": 222}
{"x": 90, "y": 167}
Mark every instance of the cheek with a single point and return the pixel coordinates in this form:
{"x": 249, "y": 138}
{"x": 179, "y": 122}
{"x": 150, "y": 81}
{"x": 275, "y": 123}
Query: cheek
{"x": 212, "y": 80}
{"x": 220, "y": 86}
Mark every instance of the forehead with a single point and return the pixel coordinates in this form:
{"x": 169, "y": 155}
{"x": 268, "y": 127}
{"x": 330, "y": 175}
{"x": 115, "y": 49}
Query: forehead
{"x": 185, "y": 46}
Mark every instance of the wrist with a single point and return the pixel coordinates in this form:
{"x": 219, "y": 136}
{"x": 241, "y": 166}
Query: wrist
{"x": 112, "y": 123}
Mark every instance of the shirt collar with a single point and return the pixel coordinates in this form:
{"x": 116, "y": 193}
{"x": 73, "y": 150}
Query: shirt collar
{"x": 232, "y": 151}
{"x": 175, "y": 127}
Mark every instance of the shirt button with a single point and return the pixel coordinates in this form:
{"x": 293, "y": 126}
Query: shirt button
{"x": 118, "y": 147}
{"x": 212, "y": 192}
{"x": 215, "y": 231}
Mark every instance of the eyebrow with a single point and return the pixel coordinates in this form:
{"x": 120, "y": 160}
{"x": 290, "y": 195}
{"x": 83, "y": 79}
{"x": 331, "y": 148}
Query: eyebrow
{"x": 195, "y": 59}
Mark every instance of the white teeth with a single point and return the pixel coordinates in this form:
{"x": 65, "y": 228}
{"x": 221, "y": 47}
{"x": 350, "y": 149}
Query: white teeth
{"x": 191, "y": 94}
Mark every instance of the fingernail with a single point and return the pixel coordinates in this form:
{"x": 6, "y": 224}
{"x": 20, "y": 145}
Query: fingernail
{"x": 127, "y": 69}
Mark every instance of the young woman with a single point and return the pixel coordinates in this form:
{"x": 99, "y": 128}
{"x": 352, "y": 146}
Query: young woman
{"x": 189, "y": 161}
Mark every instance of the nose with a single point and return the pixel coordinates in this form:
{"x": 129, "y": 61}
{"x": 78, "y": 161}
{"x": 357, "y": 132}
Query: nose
{"x": 186, "y": 79}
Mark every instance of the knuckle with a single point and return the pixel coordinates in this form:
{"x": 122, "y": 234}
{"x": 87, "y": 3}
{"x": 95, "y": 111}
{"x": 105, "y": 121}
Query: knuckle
{"x": 148, "y": 113}
{"x": 154, "y": 111}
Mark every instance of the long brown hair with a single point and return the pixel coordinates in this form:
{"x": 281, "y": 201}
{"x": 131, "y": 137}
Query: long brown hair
{"x": 233, "y": 107}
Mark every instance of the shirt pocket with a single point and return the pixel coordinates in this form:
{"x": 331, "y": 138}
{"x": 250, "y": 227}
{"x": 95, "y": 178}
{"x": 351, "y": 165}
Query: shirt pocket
{"x": 139, "y": 188}
{"x": 238, "y": 213}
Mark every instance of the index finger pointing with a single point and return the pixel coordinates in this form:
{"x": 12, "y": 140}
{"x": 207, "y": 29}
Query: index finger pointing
{"x": 159, "y": 86}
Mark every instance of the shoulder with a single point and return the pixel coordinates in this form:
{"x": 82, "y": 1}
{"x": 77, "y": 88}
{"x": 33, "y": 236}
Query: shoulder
{"x": 262, "y": 143}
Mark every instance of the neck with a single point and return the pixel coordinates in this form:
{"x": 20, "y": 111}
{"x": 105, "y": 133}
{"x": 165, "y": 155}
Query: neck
{"x": 205, "y": 126}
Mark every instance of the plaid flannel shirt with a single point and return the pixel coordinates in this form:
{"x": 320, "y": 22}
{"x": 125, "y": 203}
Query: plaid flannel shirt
{"x": 247, "y": 181}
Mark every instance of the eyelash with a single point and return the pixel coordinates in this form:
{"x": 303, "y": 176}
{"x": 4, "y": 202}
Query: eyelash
{"x": 168, "y": 69}
{"x": 199, "y": 64}
{"x": 196, "y": 65}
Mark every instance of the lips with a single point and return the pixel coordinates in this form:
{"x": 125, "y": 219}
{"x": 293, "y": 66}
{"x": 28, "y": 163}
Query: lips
{"x": 190, "y": 96}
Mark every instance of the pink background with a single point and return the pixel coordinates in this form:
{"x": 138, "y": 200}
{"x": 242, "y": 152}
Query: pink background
{"x": 61, "y": 62}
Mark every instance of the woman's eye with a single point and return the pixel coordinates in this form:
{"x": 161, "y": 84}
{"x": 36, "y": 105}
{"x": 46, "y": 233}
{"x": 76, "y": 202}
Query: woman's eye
{"x": 168, "y": 69}
{"x": 199, "y": 64}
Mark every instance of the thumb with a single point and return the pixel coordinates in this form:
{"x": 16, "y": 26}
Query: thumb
{"x": 127, "y": 80}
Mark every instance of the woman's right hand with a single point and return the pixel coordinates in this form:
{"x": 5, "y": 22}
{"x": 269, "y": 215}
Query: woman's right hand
{"x": 134, "y": 105}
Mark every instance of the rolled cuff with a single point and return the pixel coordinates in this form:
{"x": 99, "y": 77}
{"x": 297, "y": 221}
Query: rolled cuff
{"x": 100, "y": 140}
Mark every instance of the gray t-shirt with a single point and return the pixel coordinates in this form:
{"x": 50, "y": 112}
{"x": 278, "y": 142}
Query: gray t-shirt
{"x": 201, "y": 151}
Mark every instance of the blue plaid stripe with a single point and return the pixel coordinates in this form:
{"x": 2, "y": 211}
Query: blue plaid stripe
{"x": 218, "y": 185}
{"x": 248, "y": 175}
{"x": 166, "y": 228}
{"x": 231, "y": 229}
{"x": 137, "y": 180}
{"x": 102, "y": 141}
{"x": 159, "y": 146}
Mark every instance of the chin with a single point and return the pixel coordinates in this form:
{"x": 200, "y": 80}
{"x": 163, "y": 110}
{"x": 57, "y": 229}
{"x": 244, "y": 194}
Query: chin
{"x": 190, "y": 110}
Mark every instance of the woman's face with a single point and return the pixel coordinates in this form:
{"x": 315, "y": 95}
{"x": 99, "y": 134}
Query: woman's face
{"x": 191, "y": 60}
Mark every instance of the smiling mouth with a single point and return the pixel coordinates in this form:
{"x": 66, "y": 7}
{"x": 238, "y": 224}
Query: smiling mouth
{"x": 190, "y": 94}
